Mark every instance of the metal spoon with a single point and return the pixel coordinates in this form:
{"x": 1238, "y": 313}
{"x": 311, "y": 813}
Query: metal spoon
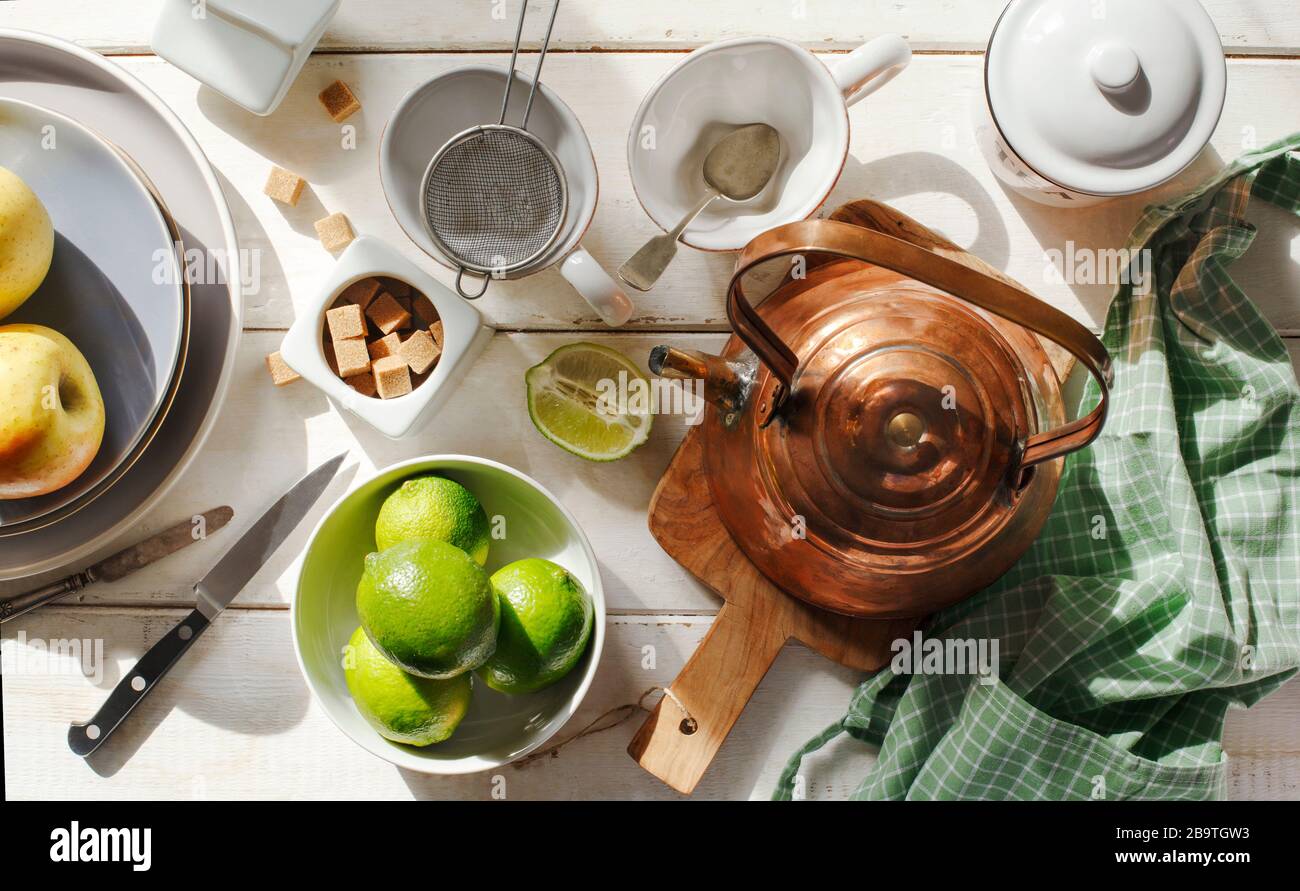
{"x": 737, "y": 168}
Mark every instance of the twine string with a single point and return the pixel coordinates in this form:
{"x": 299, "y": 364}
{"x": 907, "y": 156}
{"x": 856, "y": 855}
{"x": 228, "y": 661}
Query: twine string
{"x": 613, "y": 718}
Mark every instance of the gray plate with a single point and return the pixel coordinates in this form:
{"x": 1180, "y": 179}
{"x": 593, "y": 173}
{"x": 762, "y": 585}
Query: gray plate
{"x": 82, "y": 85}
{"x": 113, "y": 289}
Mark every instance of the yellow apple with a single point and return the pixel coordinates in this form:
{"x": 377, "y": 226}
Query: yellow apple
{"x": 26, "y": 242}
{"x": 51, "y": 411}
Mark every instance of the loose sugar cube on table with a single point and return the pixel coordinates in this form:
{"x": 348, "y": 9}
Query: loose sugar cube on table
{"x": 281, "y": 373}
{"x": 334, "y": 232}
{"x": 339, "y": 101}
{"x": 284, "y": 186}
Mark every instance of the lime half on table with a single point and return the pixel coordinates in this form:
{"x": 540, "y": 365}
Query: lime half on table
{"x": 591, "y": 401}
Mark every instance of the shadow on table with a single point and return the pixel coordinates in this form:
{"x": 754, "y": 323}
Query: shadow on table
{"x": 1086, "y": 232}
{"x": 784, "y": 712}
{"x": 912, "y": 173}
{"x": 253, "y": 704}
{"x": 253, "y": 237}
{"x": 1268, "y": 272}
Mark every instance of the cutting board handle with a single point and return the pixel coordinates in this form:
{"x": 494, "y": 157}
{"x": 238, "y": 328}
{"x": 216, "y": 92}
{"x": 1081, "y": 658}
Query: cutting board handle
{"x": 713, "y": 689}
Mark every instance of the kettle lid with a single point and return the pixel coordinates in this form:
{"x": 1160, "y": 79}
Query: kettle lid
{"x": 904, "y": 421}
{"x": 1106, "y": 98}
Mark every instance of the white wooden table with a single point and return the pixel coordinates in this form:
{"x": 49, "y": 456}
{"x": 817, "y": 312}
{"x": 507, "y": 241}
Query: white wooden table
{"x": 235, "y": 719}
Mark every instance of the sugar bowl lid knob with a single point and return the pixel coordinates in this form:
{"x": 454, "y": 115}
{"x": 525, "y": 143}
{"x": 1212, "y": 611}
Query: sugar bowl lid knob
{"x": 1114, "y": 66}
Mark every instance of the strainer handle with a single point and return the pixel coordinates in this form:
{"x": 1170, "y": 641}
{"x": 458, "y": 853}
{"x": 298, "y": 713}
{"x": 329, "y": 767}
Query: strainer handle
{"x": 460, "y": 289}
{"x": 996, "y": 295}
{"x": 514, "y": 58}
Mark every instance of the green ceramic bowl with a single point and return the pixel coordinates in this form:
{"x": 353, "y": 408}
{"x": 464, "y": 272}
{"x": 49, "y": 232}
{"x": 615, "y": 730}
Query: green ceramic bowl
{"x": 498, "y": 728}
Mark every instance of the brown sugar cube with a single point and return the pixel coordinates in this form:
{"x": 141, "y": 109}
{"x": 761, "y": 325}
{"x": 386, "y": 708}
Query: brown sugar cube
{"x": 424, "y": 309}
{"x": 346, "y": 322}
{"x": 363, "y": 384}
{"x": 353, "y": 358}
{"x": 284, "y": 186}
{"x": 334, "y": 232}
{"x": 339, "y": 101}
{"x": 435, "y": 330}
{"x": 385, "y": 346}
{"x": 361, "y": 293}
{"x": 392, "y": 377}
{"x": 397, "y": 287}
{"x": 281, "y": 373}
{"x": 405, "y": 304}
{"x": 387, "y": 314}
{"x": 419, "y": 351}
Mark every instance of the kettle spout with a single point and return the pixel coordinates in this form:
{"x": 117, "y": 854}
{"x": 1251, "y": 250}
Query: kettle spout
{"x": 726, "y": 383}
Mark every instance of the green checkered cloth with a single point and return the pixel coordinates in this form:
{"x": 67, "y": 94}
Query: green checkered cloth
{"x": 1165, "y": 587}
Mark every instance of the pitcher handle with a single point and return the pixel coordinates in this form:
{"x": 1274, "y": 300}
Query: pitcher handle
{"x": 870, "y": 67}
{"x": 994, "y": 295}
{"x": 597, "y": 287}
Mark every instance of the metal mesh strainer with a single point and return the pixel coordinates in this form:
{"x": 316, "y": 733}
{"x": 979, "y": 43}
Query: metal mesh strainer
{"x": 495, "y": 197}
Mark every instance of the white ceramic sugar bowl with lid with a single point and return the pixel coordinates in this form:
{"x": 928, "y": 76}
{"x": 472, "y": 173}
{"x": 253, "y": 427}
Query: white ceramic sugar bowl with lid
{"x": 1086, "y": 100}
{"x": 250, "y": 51}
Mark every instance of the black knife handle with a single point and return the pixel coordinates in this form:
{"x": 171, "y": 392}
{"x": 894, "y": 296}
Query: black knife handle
{"x": 136, "y": 684}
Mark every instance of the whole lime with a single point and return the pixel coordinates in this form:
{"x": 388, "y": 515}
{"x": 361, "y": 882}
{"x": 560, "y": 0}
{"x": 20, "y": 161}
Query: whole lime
{"x": 402, "y": 707}
{"x": 428, "y": 607}
{"x": 546, "y": 618}
{"x": 434, "y": 507}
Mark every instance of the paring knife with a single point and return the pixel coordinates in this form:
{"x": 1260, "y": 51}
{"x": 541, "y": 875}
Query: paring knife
{"x": 214, "y": 593}
{"x": 118, "y": 566}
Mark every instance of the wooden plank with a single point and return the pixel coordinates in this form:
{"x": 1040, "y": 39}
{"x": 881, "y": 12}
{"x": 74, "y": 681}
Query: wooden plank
{"x": 385, "y": 25}
{"x": 235, "y": 720}
{"x": 267, "y": 438}
{"x": 486, "y": 416}
{"x": 912, "y": 147}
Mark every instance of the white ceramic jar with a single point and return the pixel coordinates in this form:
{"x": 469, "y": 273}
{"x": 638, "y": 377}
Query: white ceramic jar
{"x": 249, "y": 51}
{"x": 1086, "y": 100}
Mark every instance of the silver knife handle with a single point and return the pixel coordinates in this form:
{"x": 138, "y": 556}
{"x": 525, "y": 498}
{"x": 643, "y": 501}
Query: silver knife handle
{"x": 136, "y": 684}
{"x": 20, "y": 604}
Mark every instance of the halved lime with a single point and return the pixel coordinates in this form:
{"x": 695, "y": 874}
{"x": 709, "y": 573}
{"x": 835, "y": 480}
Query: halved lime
{"x": 591, "y": 401}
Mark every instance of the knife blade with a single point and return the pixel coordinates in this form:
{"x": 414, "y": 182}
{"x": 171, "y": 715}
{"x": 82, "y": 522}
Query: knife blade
{"x": 213, "y": 594}
{"x": 120, "y": 565}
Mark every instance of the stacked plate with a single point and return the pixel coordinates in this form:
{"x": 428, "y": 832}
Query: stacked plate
{"x": 140, "y": 222}
{"x": 114, "y": 289}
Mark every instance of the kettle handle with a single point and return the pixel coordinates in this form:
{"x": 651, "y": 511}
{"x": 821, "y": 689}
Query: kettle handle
{"x": 964, "y": 282}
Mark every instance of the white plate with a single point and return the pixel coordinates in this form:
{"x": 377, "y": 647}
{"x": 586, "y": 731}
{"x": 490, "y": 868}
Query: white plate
{"x": 82, "y": 85}
{"x": 113, "y": 289}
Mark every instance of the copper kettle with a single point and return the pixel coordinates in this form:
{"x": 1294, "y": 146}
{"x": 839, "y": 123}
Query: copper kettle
{"x": 885, "y": 438}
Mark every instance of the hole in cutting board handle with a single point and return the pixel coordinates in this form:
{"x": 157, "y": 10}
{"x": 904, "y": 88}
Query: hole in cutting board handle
{"x": 688, "y": 726}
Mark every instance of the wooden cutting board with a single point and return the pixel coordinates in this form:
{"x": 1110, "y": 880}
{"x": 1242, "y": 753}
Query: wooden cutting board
{"x": 755, "y": 622}
{"x": 684, "y": 732}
